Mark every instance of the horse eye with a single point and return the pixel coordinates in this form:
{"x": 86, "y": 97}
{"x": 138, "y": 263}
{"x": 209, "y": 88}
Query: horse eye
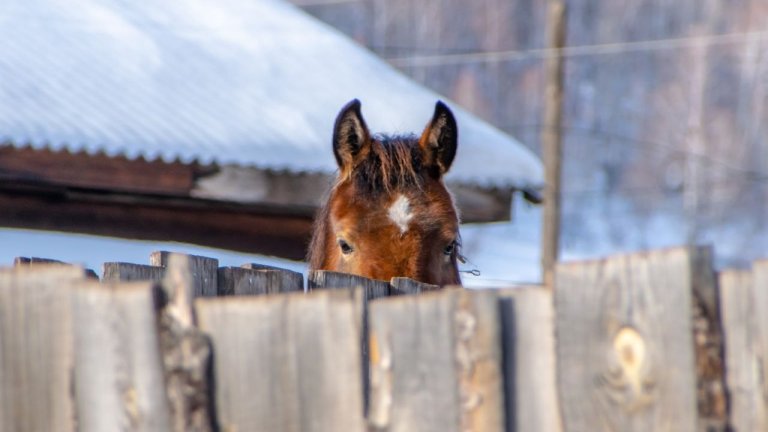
{"x": 449, "y": 249}
{"x": 345, "y": 247}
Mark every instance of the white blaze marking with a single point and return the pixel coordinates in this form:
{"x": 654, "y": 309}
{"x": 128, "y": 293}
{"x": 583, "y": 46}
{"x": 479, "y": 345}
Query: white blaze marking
{"x": 400, "y": 213}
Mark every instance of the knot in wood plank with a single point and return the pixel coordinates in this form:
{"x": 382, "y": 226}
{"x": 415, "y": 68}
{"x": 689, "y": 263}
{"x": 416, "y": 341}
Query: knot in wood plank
{"x": 630, "y": 382}
{"x": 629, "y": 347}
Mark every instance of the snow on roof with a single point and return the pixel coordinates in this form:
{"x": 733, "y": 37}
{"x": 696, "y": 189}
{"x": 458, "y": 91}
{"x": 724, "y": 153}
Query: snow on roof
{"x": 235, "y": 81}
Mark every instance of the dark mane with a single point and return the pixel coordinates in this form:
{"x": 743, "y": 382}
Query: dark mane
{"x": 317, "y": 243}
{"x": 393, "y": 163}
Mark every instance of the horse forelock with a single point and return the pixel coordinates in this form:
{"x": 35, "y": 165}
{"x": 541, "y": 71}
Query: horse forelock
{"x": 394, "y": 162}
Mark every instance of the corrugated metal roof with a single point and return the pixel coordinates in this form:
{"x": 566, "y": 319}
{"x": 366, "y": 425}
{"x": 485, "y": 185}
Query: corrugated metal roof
{"x": 234, "y": 81}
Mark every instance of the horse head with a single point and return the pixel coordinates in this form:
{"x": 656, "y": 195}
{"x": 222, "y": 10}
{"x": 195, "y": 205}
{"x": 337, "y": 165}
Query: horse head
{"x": 389, "y": 213}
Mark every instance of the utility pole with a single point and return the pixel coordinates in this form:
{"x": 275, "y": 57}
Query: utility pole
{"x": 551, "y": 140}
{"x": 694, "y": 141}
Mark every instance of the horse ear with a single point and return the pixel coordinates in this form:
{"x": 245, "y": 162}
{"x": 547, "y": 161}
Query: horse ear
{"x": 439, "y": 141}
{"x": 350, "y": 135}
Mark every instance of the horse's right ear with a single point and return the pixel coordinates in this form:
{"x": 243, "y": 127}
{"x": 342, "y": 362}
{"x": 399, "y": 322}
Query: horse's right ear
{"x": 350, "y": 136}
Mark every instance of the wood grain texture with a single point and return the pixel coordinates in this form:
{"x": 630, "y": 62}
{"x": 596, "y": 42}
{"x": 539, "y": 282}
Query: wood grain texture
{"x": 745, "y": 349}
{"x": 97, "y": 171}
{"x": 320, "y": 279}
{"x": 287, "y": 362}
{"x": 253, "y": 185}
{"x": 35, "y": 261}
{"x": 712, "y": 400}
{"x": 256, "y": 281}
{"x": 552, "y": 139}
{"x": 36, "y": 354}
{"x": 204, "y": 271}
{"x": 246, "y": 184}
{"x": 186, "y": 350}
{"x": 625, "y": 348}
{"x": 402, "y": 285}
{"x": 477, "y": 204}
{"x": 436, "y": 363}
{"x": 533, "y": 376}
{"x": 119, "y": 380}
{"x": 271, "y": 230}
{"x": 760, "y": 338}
{"x": 368, "y": 290}
{"x": 127, "y": 272}
{"x": 20, "y": 261}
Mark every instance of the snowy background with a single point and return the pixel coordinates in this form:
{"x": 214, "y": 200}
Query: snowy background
{"x": 506, "y": 253}
{"x": 665, "y": 139}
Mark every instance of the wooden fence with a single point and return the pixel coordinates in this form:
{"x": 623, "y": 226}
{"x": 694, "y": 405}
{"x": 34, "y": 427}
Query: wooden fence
{"x": 653, "y": 341}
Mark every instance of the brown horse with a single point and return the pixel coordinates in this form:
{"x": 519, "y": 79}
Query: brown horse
{"x": 389, "y": 213}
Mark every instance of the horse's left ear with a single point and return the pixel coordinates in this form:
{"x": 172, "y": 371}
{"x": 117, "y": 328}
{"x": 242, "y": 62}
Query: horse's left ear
{"x": 439, "y": 140}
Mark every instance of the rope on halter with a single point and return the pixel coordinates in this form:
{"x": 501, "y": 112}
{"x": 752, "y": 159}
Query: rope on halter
{"x": 463, "y": 259}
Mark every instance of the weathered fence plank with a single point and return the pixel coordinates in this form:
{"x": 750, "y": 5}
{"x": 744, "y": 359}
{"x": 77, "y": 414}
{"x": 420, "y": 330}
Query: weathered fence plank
{"x": 712, "y": 399}
{"x": 186, "y": 350}
{"x": 528, "y": 334}
{"x": 257, "y": 266}
{"x": 744, "y": 348}
{"x": 119, "y": 380}
{"x": 402, "y": 285}
{"x": 509, "y": 362}
{"x": 286, "y": 363}
{"x": 256, "y": 281}
{"x": 36, "y": 261}
{"x": 20, "y": 261}
{"x": 127, "y": 272}
{"x": 626, "y": 352}
{"x": 370, "y": 289}
{"x": 204, "y": 271}
{"x": 639, "y": 347}
{"x": 36, "y": 348}
{"x": 436, "y": 363}
{"x": 374, "y": 289}
{"x": 289, "y": 277}
{"x": 760, "y": 335}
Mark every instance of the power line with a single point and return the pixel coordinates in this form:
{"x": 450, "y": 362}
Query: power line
{"x": 305, "y": 3}
{"x": 573, "y": 51}
{"x": 637, "y": 191}
{"x": 673, "y": 149}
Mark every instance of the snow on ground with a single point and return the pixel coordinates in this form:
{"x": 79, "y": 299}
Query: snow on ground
{"x": 505, "y": 253}
{"x": 501, "y": 262}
